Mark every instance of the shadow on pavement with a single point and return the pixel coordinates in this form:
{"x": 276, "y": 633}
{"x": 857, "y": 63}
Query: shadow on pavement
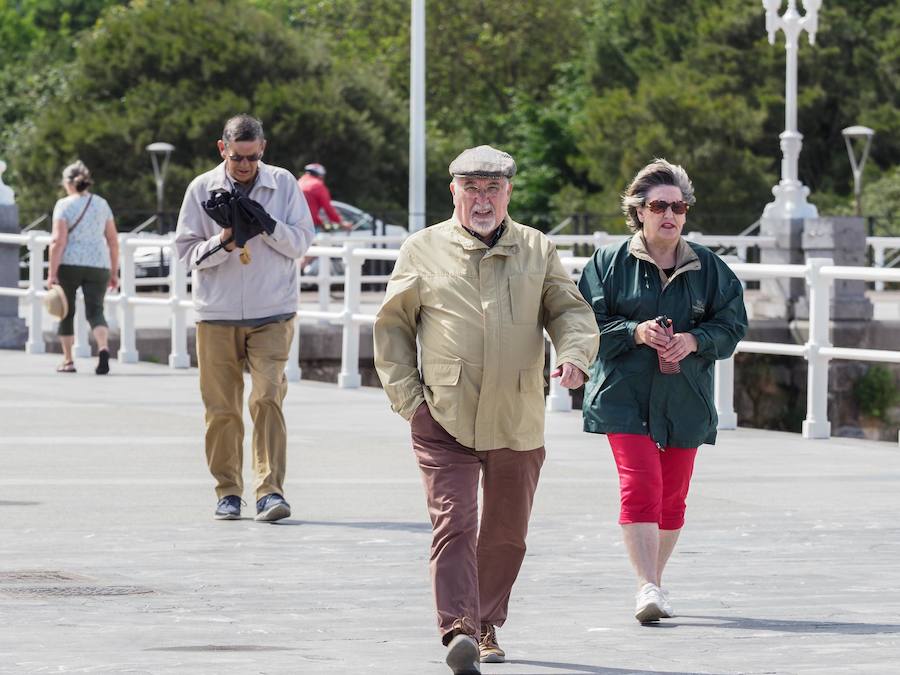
{"x": 790, "y": 626}
{"x": 364, "y": 525}
{"x": 575, "y": 668}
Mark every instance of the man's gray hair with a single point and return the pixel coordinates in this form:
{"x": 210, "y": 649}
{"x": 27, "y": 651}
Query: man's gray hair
{"x": 656, "y": 173}
{"x": 242, "y": 128}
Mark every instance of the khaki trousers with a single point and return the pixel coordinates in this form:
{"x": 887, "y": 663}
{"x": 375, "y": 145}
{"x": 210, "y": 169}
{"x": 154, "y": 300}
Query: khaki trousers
{"x": 473, "y": 568}
{"x": 222, "y": 352}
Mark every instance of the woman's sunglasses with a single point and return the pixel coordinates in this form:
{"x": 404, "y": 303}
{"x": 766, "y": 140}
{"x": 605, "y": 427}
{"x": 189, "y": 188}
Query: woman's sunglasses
{"x": 660, "y": 206}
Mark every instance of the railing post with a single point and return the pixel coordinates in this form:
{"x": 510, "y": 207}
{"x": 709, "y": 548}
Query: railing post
{"x": 292, "y": 369}
{"x": 111, "y": 311}
{"x": 127, "y": 348}
{"x": 35, "y": 344}
{"x": 82, "y": 346}
{"x": 559, "y": 399}
{"x": 323, "y": 284}
{"x": 178, "y": 356}
{"x": 724, "y": 393}
{"x": 878, "y": 261}
{"x": 816, "y": 424}
{"x": 349, "y": 377}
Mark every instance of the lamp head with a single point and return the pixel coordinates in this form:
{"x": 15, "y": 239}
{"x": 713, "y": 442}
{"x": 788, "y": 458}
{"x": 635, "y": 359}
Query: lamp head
{"x": 858, "y": 131}
{"x": 160, "y": 148}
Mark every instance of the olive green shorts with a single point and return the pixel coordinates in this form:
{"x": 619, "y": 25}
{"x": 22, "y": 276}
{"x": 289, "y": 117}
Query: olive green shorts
{"x": 93, "y": 282}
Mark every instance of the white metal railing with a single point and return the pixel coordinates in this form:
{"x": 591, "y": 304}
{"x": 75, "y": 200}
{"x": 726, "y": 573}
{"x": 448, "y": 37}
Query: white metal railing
{"x": 880, "y": 247}
{"x": 819, "y": 275}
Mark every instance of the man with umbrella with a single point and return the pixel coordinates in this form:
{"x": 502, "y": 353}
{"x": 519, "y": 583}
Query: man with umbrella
{"x": 241, "y": 227}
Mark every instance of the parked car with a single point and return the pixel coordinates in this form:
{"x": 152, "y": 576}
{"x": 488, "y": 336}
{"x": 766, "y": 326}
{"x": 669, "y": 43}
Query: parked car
{"x": 363, "y": 224}
{"x": 151, "y": 261}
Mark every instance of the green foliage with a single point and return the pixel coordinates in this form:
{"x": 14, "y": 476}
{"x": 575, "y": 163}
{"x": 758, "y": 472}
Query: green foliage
{"x": 876, "y": 392}
{"x": 498, "y": 72}
{"x": 702, "y": 87}
{"x": 50, "y": 24}
{"x": 37, "y": 39}
{"x": 142, "y": 75}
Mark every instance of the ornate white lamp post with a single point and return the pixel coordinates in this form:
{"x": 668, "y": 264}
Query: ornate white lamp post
{"x": 790, "y": 193}
{"x": 7, "y": 196}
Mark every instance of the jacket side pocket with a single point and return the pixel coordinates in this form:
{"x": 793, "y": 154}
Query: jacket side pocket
{"x": 442, "y": 388}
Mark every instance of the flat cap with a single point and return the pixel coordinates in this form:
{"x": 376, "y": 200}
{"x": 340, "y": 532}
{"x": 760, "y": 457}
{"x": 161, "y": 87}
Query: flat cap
{"x": 483, "y": 161}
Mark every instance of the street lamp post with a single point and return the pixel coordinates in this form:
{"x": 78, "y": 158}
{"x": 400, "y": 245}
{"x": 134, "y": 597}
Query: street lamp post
{"x": 790, "y": 194}
{"x": 159, "y": 155}
{"x": 417, "y": 116}
{"x": 864, "y": 134}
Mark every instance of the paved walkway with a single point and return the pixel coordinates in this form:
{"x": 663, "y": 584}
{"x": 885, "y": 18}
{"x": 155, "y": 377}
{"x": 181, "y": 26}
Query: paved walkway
{"x": 110, "y": 561}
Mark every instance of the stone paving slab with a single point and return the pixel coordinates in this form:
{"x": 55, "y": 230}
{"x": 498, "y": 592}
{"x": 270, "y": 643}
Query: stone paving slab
{"x": 110, "y": 561}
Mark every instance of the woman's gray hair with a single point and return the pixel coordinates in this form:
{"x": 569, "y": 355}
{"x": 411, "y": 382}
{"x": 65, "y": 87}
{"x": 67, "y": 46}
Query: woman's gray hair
{"x": 658, "y": 172}
{"x": 77, "y": 175}
{"x": 242, "y": 128}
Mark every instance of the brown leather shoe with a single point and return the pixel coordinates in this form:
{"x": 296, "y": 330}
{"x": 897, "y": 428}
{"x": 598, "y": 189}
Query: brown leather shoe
{"x": 488, "y": 647}
{"x": 462, "y": 655}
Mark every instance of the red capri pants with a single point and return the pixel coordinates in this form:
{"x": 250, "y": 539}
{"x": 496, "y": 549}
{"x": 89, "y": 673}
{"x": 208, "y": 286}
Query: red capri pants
{"x": 653, "y": 482}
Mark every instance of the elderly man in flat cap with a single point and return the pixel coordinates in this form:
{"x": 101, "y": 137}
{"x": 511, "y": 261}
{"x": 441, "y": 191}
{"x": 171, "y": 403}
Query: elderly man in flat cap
{"x": 478, "y": 291}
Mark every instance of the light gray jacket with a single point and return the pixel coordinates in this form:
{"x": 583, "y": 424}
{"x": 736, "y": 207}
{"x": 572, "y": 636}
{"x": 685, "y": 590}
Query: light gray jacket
{"x": 223, "y": 287}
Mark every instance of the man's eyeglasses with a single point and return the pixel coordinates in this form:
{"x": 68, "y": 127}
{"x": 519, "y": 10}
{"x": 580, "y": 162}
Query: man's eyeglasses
{"x": 660, "y": 206}
{"x": 237, "y": 159}
{"x": 491, "y": 191}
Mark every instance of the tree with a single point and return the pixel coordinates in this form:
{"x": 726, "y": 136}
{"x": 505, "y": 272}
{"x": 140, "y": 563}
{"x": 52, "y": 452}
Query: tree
{"x": 705, "y": 89}
{"x": 146, "y": 73}
{"x": 497, "y": 72}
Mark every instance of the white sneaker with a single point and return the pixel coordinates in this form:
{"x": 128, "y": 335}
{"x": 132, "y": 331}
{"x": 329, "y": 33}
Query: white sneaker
{"x": 668, "y": 612}
{"x": 648, "y": 605}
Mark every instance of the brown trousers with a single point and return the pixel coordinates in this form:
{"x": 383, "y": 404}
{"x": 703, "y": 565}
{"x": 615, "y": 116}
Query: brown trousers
{"x": 473, "y": 569}
{"x": 222, "y": 352}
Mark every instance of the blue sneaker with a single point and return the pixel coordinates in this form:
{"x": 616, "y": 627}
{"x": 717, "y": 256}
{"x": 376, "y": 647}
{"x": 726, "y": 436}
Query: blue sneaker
{"x": 228, "y": 508}
{"x": 272, "y": 507}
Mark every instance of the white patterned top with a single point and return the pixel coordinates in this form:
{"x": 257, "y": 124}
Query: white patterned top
{"x": 86, "y": 245}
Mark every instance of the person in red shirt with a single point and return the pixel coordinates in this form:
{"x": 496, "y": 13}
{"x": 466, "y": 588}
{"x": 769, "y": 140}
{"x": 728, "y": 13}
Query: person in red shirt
{"x": 312, "y": 184}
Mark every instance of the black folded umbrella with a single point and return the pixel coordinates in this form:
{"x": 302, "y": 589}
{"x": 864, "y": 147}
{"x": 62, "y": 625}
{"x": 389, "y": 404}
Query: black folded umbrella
{"x": 229, "y": 210}
{"x": 254, "y": 212}
{"x": 220, "y": 207}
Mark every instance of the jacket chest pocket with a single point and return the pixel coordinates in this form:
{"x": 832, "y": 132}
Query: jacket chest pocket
{"x": 525, "y": 297}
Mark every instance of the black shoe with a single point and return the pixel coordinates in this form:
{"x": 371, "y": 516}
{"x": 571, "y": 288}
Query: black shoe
{"x": 228, "y": 508}
{"x": 272, "y": 507}
{"x": 102, "y": 362}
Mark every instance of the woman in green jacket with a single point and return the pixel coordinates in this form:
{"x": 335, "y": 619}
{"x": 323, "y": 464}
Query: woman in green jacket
{"x": 667, "y": 308}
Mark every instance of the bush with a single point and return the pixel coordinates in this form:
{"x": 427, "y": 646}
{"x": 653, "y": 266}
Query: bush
{"x": 876, "y": 392}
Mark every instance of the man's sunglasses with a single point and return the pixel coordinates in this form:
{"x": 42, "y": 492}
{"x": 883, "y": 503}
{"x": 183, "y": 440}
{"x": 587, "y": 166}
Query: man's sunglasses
{"x": 660, "y": 206}
{"x": 237, "y": 159}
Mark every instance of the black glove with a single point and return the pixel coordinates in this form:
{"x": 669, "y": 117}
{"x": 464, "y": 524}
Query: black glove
{"x": 221, "y": 207}
{"x": 254, "y": 213}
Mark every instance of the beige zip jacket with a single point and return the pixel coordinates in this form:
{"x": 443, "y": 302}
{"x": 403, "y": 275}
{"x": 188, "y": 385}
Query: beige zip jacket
{"x": 479, "y": 314}
{"x": 223, "y": 287}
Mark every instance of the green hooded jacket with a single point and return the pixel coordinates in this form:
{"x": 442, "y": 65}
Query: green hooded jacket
{"x": 626, "y": 393}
